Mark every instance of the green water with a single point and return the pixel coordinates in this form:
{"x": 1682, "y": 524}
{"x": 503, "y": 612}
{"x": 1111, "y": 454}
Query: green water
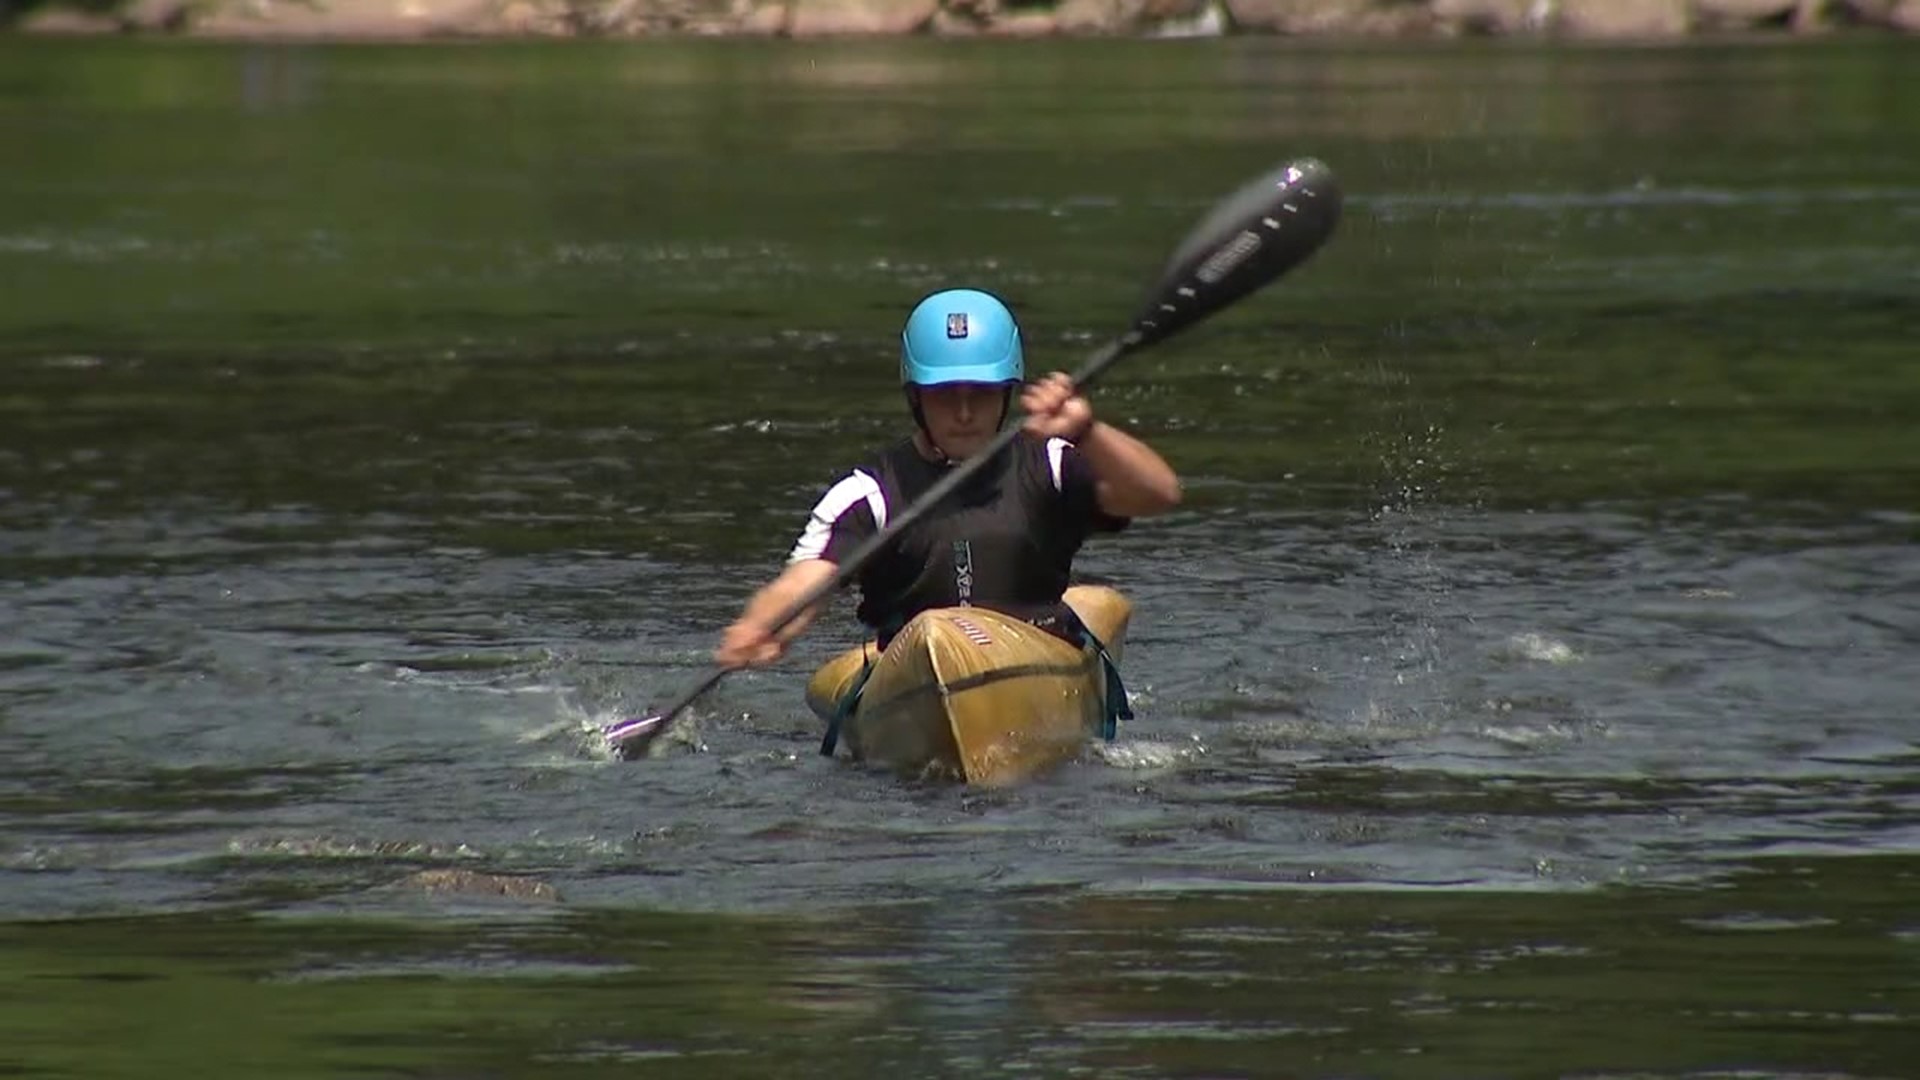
{"x": 1526, "y": 686}
{"x": 1376, "y": 984}
{"x": 1614, "y": 273}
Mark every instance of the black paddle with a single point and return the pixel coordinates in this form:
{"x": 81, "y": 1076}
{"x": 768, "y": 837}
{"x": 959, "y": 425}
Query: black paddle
{"x": 1250, "y": 239}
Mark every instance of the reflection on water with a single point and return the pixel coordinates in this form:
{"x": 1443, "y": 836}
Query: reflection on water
{"x": 1524, "y": 688}
{"x": 1794, "y": 967}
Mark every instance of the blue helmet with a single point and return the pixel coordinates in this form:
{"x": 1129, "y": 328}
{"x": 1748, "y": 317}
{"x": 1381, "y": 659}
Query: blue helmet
{"x": 960, "y": 336}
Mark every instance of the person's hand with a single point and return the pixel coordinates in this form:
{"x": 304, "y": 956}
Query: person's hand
{"x": 747, "y": 644}
{"x": 1055, "y": 409}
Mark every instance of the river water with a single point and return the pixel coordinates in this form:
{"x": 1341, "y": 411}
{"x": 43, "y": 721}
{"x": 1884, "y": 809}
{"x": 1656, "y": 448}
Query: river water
{"x": 1526, "y": 688}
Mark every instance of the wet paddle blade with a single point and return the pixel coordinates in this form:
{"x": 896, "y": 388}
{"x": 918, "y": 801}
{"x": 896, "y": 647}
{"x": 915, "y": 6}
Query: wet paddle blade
{"x": 629, "y": 739}
{"x": 1251, "y": 238}
{"x": 634, "y": 737}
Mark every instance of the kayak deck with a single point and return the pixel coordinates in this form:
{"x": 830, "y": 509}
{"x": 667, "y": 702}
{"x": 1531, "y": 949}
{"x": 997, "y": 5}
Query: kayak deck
{"x": 976, "y": 695}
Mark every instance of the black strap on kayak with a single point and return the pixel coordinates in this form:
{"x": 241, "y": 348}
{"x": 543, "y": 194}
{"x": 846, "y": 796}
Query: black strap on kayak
{"x": 848, "y": 702}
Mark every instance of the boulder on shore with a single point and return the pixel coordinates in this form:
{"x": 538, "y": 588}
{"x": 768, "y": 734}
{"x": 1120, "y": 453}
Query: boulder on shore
{"x": 422, "y": 19}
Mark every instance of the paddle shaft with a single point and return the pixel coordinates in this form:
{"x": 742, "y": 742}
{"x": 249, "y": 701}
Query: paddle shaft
{"x": 850, "y": 567}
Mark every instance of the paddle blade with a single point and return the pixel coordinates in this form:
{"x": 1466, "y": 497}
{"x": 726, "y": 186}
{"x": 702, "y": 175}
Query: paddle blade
{"x": 1249, "y": 240}
{"x": 630, "y": 739}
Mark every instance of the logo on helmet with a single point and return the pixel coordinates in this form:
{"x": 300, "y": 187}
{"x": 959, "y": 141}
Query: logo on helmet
{"x": 957, "y": 324}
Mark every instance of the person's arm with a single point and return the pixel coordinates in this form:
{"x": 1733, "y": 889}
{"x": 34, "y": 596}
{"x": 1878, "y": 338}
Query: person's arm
{"x": 840, "y": 522}
{"x": 1132, "y": 480}
{"x": 751, "y": 641}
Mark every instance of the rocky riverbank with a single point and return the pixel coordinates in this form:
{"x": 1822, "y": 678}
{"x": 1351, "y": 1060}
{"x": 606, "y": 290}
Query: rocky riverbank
{"x": 415, "y": 19}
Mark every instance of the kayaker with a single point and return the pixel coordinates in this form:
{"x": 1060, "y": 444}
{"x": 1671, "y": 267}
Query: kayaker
{"x": 1007, "y": 539}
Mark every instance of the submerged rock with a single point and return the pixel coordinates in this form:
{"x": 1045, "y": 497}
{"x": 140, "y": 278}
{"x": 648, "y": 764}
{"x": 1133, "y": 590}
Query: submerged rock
{"x": 474, "y": 883}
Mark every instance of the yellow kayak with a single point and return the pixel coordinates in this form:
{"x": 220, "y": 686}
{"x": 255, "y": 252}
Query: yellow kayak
{"x": 975, "y": 695}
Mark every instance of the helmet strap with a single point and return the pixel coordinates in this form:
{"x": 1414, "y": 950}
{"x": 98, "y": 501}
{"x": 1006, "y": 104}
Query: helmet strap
{"x": 920, "y": 416}
{"x": 920, "y": 421}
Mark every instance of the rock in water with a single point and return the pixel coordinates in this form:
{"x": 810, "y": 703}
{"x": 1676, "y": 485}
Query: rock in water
{"x": 473, "y": 883}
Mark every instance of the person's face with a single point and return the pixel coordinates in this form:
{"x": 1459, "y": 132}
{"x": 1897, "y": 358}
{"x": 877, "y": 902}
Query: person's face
{"x": 962, "y": 418}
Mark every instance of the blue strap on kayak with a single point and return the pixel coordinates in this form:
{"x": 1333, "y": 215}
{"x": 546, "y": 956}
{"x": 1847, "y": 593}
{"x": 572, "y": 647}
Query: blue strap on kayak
{"x": 848, "y": 702}
{"x": 1117, "y": 707}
